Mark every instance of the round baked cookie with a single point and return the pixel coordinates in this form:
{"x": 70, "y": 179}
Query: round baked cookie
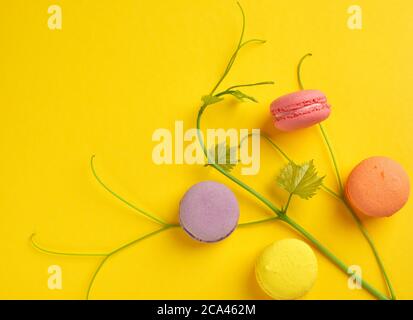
{"x": 377, "y": 187}
{"x": 287, "y": 269}
{"x": 209, "y": 211}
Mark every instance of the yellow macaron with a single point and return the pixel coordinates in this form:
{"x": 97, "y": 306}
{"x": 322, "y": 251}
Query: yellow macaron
{"x": 287, "y": 269}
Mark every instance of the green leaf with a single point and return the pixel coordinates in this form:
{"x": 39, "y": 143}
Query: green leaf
{"x": 241, "y": 96}
{"x": 223, "y": 155}
{"x": 301, "y": 180}
{"x": 209, "y": 99}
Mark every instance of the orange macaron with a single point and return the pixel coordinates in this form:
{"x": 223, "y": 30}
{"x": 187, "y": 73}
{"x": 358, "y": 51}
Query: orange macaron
{"x": 377, "y": 187}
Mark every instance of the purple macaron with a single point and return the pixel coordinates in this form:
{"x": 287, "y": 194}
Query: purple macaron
{"x": 209, "y": 211}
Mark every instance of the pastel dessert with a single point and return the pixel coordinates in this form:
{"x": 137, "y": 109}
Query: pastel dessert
{"x": 287, "y": 269}
{"x": 377, "y": 187}
{"x": 299, "y": 110}
{"x": 209, "y": 211}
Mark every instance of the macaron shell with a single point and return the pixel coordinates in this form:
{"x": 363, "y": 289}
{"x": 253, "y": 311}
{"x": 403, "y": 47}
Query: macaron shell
{"x": 295, "y": 98}
{"x": 287, "y": 269}
{"x": 300, "y": 109}
{"x": 377, "y": 187}
{"x": 209, "y": 211}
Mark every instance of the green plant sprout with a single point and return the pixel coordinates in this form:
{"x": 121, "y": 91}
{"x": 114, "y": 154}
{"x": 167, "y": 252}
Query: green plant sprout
{"x": 339, "y": 196}
{"x": 281, "y": 213}
{"x": 298, "y": 180}
{"x": 105, "y": 256}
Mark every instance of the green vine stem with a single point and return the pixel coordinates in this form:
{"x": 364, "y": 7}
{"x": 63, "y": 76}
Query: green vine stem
{"x": 341, "y": 195}
{"x": 147, "y": 214}
{"x": 333, "y": 158}
{"x": 353, "y": 214}
{"x": 301, "y": 86}
{"x": 107, "y": 255}
{"x": 123, "y": 247}
{"x": 60, "y": 253}
{"x": 252, "y": 223}
{"x": 286, "y": 157}
{"x": 279, "y": 213}
{"x": 283, "y": 217}
{"x": 342, "y": 266}
{"x": 300, "y": 82}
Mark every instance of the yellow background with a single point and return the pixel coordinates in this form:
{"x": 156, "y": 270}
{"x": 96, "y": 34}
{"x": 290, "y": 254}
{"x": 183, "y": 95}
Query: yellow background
{"x": 118, "y": 70}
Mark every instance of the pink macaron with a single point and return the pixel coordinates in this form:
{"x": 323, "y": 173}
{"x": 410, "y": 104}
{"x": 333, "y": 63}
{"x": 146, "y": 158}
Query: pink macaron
{"x": 299, "y": 110}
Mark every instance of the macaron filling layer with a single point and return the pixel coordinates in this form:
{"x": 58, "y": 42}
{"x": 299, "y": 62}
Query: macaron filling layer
{"x": 194, "y": 236}
{"x": 300, "y": 104}
{"x": 300, "y": 108}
